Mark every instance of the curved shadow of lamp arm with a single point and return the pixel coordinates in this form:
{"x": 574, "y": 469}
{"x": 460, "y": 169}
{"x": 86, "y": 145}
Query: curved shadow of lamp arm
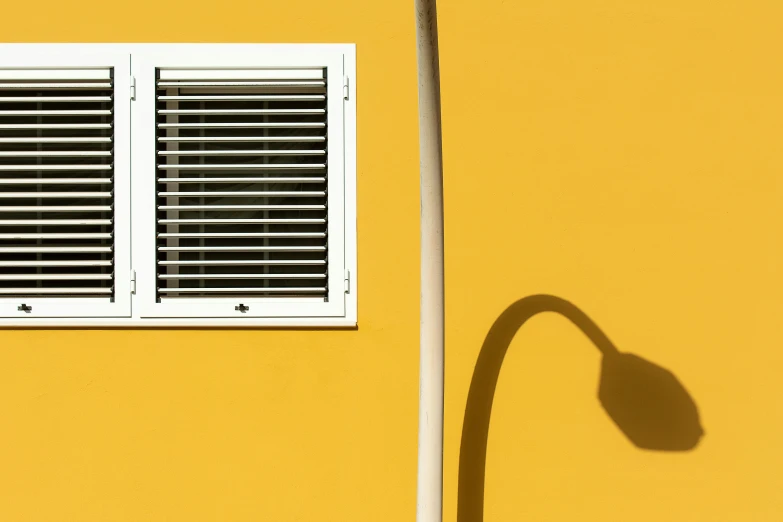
{"x": 646, "y": 402}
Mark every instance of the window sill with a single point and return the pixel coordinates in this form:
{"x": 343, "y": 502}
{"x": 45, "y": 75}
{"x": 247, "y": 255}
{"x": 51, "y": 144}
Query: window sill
{"x": 185, "y": 323}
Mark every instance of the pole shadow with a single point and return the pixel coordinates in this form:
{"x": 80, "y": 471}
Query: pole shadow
{"x": 646, "y": 402}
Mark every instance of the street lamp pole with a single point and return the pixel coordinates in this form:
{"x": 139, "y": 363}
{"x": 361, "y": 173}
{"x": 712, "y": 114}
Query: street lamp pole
{"x": 429, "y": 500}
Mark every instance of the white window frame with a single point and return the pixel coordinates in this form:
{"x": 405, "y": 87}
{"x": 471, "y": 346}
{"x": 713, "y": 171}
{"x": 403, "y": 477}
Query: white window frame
{"x": 135, "y": 226}
{"x": 60, "y": 311}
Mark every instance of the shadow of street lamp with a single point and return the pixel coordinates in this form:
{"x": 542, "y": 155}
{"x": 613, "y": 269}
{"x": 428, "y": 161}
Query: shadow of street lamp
{"x": 647, "y": 402}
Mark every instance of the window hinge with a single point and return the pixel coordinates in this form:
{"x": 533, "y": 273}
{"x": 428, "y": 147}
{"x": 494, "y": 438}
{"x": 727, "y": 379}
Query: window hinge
{"x": 133, "y": 88}
{"x": 347, "y": 281}
{"x": 133, "y": 282}
{"x": 345, "y": 87}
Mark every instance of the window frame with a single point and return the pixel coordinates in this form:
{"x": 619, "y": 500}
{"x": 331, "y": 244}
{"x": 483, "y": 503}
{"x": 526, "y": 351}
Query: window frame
{"x": 60, "y": 311}
{"x": 340, "y": 311}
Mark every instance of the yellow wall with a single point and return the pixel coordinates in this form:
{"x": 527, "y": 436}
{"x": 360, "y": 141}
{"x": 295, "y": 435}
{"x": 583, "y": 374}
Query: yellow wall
{"x": 621, "y": 154}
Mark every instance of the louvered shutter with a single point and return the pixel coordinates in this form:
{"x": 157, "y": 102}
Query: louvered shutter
{"x": 64, "y": 135}
{"x": 243, "y": 163}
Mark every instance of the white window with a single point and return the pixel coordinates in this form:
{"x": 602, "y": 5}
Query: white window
{"x": 182, "y": 184}
{"x": 64, "y": 184}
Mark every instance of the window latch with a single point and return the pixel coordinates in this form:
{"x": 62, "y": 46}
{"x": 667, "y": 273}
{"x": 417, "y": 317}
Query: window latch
{"x": 24, "y": 308}
{"x": 241, "y": 308}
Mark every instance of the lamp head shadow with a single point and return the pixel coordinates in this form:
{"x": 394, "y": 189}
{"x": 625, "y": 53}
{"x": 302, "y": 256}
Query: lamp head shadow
{"x": 648, "y": 404}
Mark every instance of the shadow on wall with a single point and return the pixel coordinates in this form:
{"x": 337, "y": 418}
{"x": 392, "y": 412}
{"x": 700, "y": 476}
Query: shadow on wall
{"x": 644, "y": 400}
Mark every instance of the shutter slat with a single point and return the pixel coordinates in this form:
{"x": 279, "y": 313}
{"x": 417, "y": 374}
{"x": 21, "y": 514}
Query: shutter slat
{"x": 242, "y": 276}
{"x": 55, "y": 167}
{"x": 258, "y": 194}
{"x": 242, "y": 166}
{"x": 56, "y": 250}
{"x": 201, "y": 74}
{"x": 96, "y": 139}
{"x": 246, "y": 139}
{"x": 216, "y": 208}
{"x": 243, "y": 125}
{"x": 311, "y": 152}
{"x": 54, "y": 222}
{"x": 249, "y": 262}
{"x": 12, "y": 75}
{"x": 95, "y": 112}
{"x": 239, "y": 221}
{"x": 230, "y": 84}
{"x": 61, "y": 262}
{"x": 248, "y": 97}
{"x": 41, "y": 86}
{"x": 56, "y": 235}
{"x": 53, "y": 126}
{"x": 63, "y": 195}
{"x": 53, "y": 99}
{"x": 240, "y": 235}
{"x": 75, "y": 208}
{"x": 244, "y": 249}
{"x": 243, "y": 180}
{"x": 55, "y": 181}
{"x": 55, "y": 277}
{"x": 245, "y": 290}
{"x": 54, "y": 153}
{"x": 67, "y": 292}
{"x": 230, "y": 112}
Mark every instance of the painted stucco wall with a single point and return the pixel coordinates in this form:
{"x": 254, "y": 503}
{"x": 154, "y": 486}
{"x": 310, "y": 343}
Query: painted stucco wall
{"x": 623, "y": 155}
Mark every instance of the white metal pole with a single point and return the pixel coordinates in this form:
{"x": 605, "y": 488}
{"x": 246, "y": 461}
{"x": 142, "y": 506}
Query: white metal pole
{"x": 429, "y": 500}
